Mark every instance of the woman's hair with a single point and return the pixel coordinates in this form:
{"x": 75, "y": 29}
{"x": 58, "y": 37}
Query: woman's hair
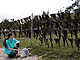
{"x": 4, "y": 43}
{"x": 9, "y": 34}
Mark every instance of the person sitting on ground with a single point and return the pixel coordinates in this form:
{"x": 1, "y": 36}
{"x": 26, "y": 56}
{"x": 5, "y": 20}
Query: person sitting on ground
{"x": 11, "y": 45}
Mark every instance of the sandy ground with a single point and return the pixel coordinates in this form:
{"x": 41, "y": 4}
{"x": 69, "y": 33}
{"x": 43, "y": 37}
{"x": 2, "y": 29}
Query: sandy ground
{"x": 3, "y": 56}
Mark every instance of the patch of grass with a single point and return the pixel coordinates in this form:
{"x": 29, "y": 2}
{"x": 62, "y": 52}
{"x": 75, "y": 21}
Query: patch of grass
{"x": 1, "y": 44}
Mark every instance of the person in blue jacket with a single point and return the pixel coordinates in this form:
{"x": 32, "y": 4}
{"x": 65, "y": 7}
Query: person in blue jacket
{"x": 11, "y": 46}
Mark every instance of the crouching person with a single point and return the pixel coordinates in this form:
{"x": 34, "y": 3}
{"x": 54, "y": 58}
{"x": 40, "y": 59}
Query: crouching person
{"x": 11, "y": 46}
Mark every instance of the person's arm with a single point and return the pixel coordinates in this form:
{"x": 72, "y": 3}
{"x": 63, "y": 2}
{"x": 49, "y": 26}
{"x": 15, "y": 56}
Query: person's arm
{"x": 15, "y": 49}
{"x": 12, "y": 49}
{"x": 16, "y": 41}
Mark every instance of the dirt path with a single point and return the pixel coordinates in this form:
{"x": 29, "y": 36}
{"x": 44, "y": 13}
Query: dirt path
{"x": 3, "y": 56}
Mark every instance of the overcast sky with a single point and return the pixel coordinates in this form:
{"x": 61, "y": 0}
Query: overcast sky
{"x": 19, "y": 9}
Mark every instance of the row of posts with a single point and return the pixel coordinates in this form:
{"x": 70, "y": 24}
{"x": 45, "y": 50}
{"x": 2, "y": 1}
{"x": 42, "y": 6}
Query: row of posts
{"x": 31, "y": 30}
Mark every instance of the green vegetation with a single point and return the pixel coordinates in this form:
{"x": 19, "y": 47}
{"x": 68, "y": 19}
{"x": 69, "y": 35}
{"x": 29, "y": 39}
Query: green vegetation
{"x": 55, "y": 53}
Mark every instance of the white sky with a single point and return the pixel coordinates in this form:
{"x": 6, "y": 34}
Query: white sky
{"x": 19, "y": 9}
